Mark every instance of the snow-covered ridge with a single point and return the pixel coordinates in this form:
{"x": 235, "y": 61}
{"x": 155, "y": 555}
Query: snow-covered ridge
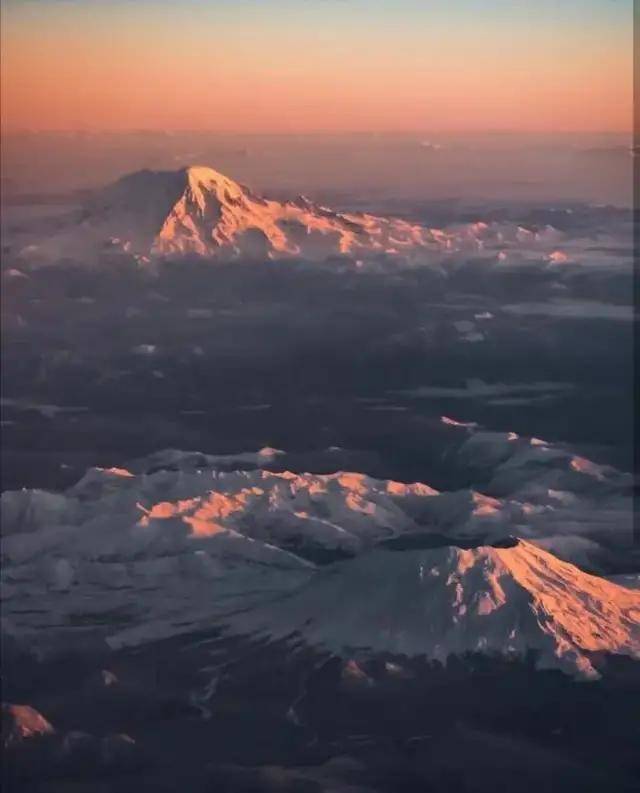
{"x": 215, "y": 214}
{"x": 452, "y": 601}
{"x": 198, "y": 211}
{"x": 180, "y": 541}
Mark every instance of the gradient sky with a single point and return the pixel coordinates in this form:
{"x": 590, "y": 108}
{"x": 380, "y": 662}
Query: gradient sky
{"x": 317, "y": 65}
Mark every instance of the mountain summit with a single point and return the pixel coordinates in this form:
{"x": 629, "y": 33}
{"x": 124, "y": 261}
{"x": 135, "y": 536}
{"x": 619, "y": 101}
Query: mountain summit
{"x": 435, "y": 602}
{"x": 197, "y": 211}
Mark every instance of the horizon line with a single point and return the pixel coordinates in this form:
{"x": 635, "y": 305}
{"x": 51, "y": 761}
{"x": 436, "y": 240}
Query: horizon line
{"x": 306, "y": 133}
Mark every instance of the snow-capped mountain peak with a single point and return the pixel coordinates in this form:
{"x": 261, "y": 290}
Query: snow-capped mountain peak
{"x": 215, "y": 216}
{"x": 506, "y": 599}
{"x": 198, "y": 211}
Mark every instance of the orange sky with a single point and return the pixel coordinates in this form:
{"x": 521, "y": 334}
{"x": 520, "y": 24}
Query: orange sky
{"x": 327, "y": 65}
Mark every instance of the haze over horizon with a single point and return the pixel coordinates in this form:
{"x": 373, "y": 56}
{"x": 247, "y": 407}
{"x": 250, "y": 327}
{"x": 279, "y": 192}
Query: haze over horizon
{"x": 330, "y": 67}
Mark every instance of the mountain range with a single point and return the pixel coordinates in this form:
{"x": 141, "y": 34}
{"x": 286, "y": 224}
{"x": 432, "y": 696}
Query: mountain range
{"x": 180, "y": 542}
